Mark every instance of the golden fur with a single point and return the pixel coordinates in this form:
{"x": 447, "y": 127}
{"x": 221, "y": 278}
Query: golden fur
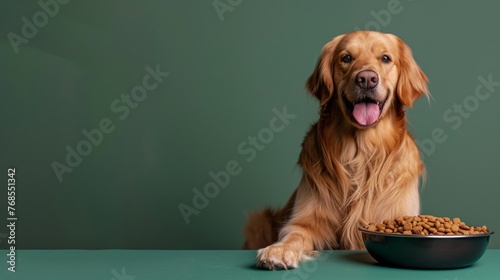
{"x": 352, "y": 173}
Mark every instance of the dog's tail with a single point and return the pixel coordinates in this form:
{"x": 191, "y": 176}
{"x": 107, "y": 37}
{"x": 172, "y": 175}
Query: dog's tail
{"x": 263, "y": 227}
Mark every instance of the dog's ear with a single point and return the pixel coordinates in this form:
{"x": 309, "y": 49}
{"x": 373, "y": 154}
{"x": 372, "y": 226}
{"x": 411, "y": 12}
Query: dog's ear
{"x": 412, "y": 81}
{"x": 320, "y": 83}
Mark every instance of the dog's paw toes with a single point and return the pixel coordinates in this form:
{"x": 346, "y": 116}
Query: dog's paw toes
{"x": 277, "y": 257}
{"x": 290, "y": 259}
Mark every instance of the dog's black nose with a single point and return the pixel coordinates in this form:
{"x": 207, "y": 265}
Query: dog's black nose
{"x": 367, "y": 79}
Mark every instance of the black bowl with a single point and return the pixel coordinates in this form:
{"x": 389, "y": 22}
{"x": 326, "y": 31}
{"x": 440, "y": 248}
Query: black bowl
{"x": 425, "y": 251}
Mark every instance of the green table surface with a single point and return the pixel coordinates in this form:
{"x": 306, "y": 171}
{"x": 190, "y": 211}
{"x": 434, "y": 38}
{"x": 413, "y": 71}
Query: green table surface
{"x": 218, "y": 264}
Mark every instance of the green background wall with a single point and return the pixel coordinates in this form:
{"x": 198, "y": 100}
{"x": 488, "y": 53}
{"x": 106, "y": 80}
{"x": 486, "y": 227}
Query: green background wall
{"x": 226, "y": 75}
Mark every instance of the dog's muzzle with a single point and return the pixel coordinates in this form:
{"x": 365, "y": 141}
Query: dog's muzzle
{"x": 366, "y": 109}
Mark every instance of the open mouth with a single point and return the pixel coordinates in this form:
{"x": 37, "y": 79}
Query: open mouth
{"x": 365, "y": 111}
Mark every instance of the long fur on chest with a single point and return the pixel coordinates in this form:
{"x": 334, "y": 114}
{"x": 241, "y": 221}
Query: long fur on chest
{"x": 358, "y": 174}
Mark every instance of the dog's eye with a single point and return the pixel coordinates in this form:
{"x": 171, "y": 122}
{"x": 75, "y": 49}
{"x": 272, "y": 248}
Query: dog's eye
{"x": 347, "y": 58}
{"x": 386, "y": 59}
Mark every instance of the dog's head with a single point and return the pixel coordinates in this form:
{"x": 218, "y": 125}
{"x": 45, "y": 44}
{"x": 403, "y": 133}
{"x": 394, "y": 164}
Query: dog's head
{"x": 367, "y": 74}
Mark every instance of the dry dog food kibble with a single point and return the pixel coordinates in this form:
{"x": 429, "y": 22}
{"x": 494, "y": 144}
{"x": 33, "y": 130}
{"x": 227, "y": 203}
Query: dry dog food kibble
{"x": 426, "y": 225}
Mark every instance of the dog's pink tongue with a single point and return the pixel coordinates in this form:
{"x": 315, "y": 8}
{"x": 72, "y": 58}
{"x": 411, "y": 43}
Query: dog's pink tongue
{"x": 366, "y": 113}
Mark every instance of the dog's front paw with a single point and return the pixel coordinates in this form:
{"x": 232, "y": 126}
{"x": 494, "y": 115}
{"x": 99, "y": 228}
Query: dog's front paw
{"x": 278, "y": 256}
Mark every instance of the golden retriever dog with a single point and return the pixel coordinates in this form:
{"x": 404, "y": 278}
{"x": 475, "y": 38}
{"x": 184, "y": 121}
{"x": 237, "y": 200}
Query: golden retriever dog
{"x": 359, "y": 162}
